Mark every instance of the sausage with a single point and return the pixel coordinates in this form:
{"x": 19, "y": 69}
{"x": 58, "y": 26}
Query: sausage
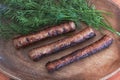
{"x": 49, "y": 32}
{"x": 79, "y": 54}
{"x": 51, "y": 48}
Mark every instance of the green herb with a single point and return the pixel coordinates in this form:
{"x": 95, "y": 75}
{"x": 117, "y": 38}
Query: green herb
{"x": 26, "y": 16}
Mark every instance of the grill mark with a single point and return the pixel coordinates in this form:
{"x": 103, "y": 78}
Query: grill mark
{"x": 79, "y": 54}
{"x": 51, "y": 32}
{"x": 62, "y": 44}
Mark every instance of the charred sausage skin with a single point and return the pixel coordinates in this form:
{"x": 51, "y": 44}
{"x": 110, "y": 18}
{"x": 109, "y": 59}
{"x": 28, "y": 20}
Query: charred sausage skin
{"x": 23, "y": 41}
{"x": 51, "y": 48}
{"x": 97, "y": 46}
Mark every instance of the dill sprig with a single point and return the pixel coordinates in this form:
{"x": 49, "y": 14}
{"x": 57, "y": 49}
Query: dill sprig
{"x": 26, "y": 16}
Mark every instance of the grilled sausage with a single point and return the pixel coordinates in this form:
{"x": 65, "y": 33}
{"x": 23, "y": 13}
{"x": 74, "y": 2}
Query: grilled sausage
{"x": 79, "y": 37}
{"x": 99, "y": 45}
{"x": 49, "y": 32}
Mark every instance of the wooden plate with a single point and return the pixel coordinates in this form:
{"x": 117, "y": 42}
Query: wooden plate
{"x": 17, "y": 64}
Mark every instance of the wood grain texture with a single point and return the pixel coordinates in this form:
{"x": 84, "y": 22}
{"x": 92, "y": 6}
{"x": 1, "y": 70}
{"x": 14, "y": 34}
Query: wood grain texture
{"x": 19, "y": 65}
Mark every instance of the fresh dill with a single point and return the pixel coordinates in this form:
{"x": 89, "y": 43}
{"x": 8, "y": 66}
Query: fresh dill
{"x": 26, "y": 16}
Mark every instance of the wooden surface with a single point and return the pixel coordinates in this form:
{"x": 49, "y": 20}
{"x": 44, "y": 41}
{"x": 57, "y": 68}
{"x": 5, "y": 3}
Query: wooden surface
{"x": 115, "y": 77}
{"x": 116, "y": 2}
{"x": 4, "y": 77}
